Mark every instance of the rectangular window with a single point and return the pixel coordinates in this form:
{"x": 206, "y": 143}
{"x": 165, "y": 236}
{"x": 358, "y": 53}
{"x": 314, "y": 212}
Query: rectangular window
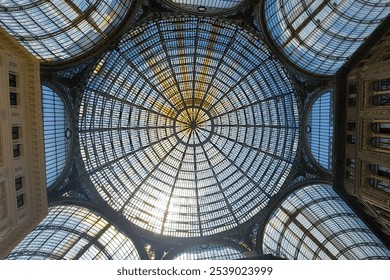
{"x": 18, "y": 183}
{"x": 351, "y": 126}
{"x": 16, "y": 150}
{"x": 350, "y": 175}
{"x": 352, "y": 102}
{"x": 15, "y": 132}
{"x": 13, "y": 99}
{"x": 20, "y": 200}
{"x": 351, "y": 162}
{"x": 12, "y": 80}
{"x": 351, "y": 139}
{"x": 352, "y": 89}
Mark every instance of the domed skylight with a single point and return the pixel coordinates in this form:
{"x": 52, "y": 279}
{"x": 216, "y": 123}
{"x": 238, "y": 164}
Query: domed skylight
{"x": 189, "y": 126}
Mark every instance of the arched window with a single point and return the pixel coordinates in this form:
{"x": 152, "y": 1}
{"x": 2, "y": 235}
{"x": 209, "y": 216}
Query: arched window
{"x": 314, "y": 222}
{"x": 61, "y": 30}
{"x": 381, "y": 127}
{"x": 381, "y": 85}
{"x": 319, "y": 129}
{"x": 319, "y": 36}
{"x": 57, "y": 134}
{"x": 74, "y": 232}
{"x": 381, "y": 143}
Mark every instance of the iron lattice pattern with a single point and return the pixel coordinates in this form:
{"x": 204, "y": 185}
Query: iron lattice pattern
{"x": 189, "y": 126}
{"x": 74, "y": 232}
{"x": 315, "y": 223}
{"x": 320, "y": 36}
{"x": 59, "y": 30}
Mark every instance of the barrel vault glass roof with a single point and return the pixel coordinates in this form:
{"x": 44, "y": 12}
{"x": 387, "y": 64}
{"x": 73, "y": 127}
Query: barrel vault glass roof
{"x": 315, "y": 223}
{"x": 319, "y": 36}
{"x": 75, "y": 232}
{"x": 60, "y": 30}
{"x": 190, "y": 126}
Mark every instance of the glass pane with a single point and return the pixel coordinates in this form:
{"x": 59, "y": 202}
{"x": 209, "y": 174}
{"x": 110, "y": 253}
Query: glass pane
{"x": 320, "y": 130}
{"x": 55, "y": 126}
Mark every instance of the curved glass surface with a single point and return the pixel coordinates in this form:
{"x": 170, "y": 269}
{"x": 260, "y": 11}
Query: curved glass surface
{"x": 74, "y": 232}
{"x": 57, "y": 134}
{"x": 319, "y": 36}
{"x": 315, "y": 223}
{"x": 189, "y": 126}
{"x": 206, "y": 6}
{"x": 59, "y": 30}
{"x": 319, "y": 129}
{"x": 210, "y": 251}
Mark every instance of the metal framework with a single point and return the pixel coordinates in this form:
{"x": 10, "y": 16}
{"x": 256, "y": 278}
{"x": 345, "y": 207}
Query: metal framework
{"x": 57, "y": 134}
{"x": 62, "y": 30}
{"x": 75, "y": 232}
{"x": 189, "y": 126}
{"x": 319, "y": 36}
{"x": 211, "y": 250}
{"x": 313, "y": 222}
{"x": 319, "y": 128}
{"x": 207, "y": 6}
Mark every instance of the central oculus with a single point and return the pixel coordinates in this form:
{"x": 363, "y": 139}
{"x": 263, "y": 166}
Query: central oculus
{"x": 193, "y": 126}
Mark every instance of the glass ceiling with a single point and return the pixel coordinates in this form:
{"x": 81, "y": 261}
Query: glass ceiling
{"x": 189, "y": 126}
{"x": 211, "y": 251}
{"x": 59, "y": 30}
{"x": 57, "y": 134}
{"x": 315, "y": 223}
{"x": 319, "y": 36}
{"x": 319, "y": 129}
{"x": 207, "y": 6}
{"x": 73, "y": 232}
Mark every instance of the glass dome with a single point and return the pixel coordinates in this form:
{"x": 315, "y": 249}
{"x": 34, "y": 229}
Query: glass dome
{"x": 319, "y": 36}
{"x": 74, "y": 232}
{"x": 189, "y": 126}
{"x": 57, "y": 134}
{"x": 315, "y": 223}
{"x": 319, "y": 129}
{"x": 61, "y": 30}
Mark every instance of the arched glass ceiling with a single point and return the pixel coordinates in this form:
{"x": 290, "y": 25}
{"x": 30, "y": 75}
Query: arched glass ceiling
{"x": 206, "y": 6}
{"x": 210, "y": 251}
{"x": 319, "y": 36}
{"x": 189, "y": 126}
{"x": 319, "y": 129}
{"x": 74, "y": 232}
{"x": 59, "y": 30}
{"x": 315, "y": 223}
{"x": 57, "y": 134}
